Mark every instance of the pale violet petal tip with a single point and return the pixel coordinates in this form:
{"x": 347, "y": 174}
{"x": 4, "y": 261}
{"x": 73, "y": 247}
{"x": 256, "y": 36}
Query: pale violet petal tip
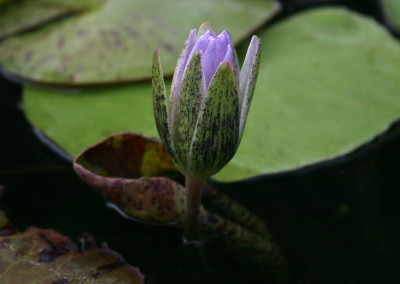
{"x": 227, "y": 37}
{"x": 248, "y": 78}
{"x": 200, "y": 45}
{"x": 232, "y": 58}
{"x": 209, "y": 61}
{"x": 180, "y": 68}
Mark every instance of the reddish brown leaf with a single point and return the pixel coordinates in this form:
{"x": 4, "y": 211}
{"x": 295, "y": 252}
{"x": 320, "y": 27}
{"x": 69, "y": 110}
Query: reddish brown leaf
{"x": 46, "y": 256}
{"x": 128, "y": 168}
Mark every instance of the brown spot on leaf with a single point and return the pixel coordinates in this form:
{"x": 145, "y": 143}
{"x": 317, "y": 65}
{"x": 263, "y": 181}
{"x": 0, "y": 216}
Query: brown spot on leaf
{"x": 28, "y": 56}
{"x": 169, "y": 47}
{"x": 41, "y": 61}
{"x": 51, "y": 253}
{"x": 112, "y": 266}
{"x": 131, "y": 32}
{"x": 82, "y": 33}
{"x": 60, "y": 42}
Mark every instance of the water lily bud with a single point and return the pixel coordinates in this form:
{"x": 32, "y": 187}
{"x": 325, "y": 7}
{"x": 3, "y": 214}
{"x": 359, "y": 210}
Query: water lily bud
{"x": 202, "y": 123}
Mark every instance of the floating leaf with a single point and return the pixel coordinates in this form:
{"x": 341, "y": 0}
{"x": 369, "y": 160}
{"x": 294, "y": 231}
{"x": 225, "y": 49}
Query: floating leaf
{"x": 46, "y": 256}
{"x": 129, "y": 171}
{"x": 135, "y": 172}
{"x": 20, "y": 16}
{"x": 114, "y": 43}
{"x": 125, "y": 169}
{"x": 328, "y": 83}
{"x": 391, "y": 10}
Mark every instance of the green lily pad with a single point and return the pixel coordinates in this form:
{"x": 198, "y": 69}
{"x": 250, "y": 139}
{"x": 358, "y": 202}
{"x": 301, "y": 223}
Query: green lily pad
{"x": 46, "y": 256}
{"x": 19, "y": 16}
{"x": 114, "y": 43}
{"x": 328, "y": 83}
{"x": 391, "y": 10}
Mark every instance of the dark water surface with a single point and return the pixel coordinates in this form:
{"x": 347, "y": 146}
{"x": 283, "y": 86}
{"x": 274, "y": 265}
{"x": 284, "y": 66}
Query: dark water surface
{"x": 337, "y": 222}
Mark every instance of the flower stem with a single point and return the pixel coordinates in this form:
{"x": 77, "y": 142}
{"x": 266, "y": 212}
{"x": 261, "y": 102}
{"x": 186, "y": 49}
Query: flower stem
{"x": 193, "y": 198}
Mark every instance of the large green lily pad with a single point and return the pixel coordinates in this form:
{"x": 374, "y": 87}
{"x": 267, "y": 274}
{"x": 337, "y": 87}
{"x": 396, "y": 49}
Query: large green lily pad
{"x": 391, "y": 9}
{"x": 328, "y": 83}
{"x": 23, "y": 15}
{"x": 113, "y": 43}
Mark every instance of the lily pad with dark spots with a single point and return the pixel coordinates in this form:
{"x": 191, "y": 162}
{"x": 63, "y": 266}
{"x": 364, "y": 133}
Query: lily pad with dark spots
{"x": 24, "y": 15}
{"x": 328, "y": 84}
{"x": 114, "y": 43}
{"x": 46, "y": 256}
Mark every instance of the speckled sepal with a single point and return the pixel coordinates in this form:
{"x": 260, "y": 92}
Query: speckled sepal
{"x": 216, "y": 136}
{"x": 160, "y": 106}
{"x": 187, "y": 109}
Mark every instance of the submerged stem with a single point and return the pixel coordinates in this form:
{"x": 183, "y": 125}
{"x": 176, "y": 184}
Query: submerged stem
{"x": 193, "y": 198}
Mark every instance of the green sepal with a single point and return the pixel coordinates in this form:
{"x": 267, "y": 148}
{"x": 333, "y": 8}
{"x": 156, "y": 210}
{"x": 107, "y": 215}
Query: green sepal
{"x": 216, "y": 136}
{"x": 187, "y": 109}
{"x": 160, "y": 105}
{"x": 248, "y": 78}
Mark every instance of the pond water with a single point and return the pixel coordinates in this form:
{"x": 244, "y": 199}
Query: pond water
{"x": 336, "y": 222}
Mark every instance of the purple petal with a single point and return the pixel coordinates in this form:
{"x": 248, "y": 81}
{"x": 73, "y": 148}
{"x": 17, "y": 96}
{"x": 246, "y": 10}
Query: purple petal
{"x": 210, "y": 34}
{"x": 232, "y": 58}
{"x": 224, "y": 39}
{"x": 209, "y": 61}
{"x": 201, "y": 44}
{"x": 220, "y": 51}
{"x": 180, "y": 67}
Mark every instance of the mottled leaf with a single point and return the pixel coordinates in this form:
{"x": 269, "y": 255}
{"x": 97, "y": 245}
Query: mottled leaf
{"x": 113, "y": 43}
{"x": 128, "y": 170}
{"x": 134, "y": 172}
{"x": 46, "y": 256}
{"x": 24, "y": 15}
{"x": 144, "y": 174}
